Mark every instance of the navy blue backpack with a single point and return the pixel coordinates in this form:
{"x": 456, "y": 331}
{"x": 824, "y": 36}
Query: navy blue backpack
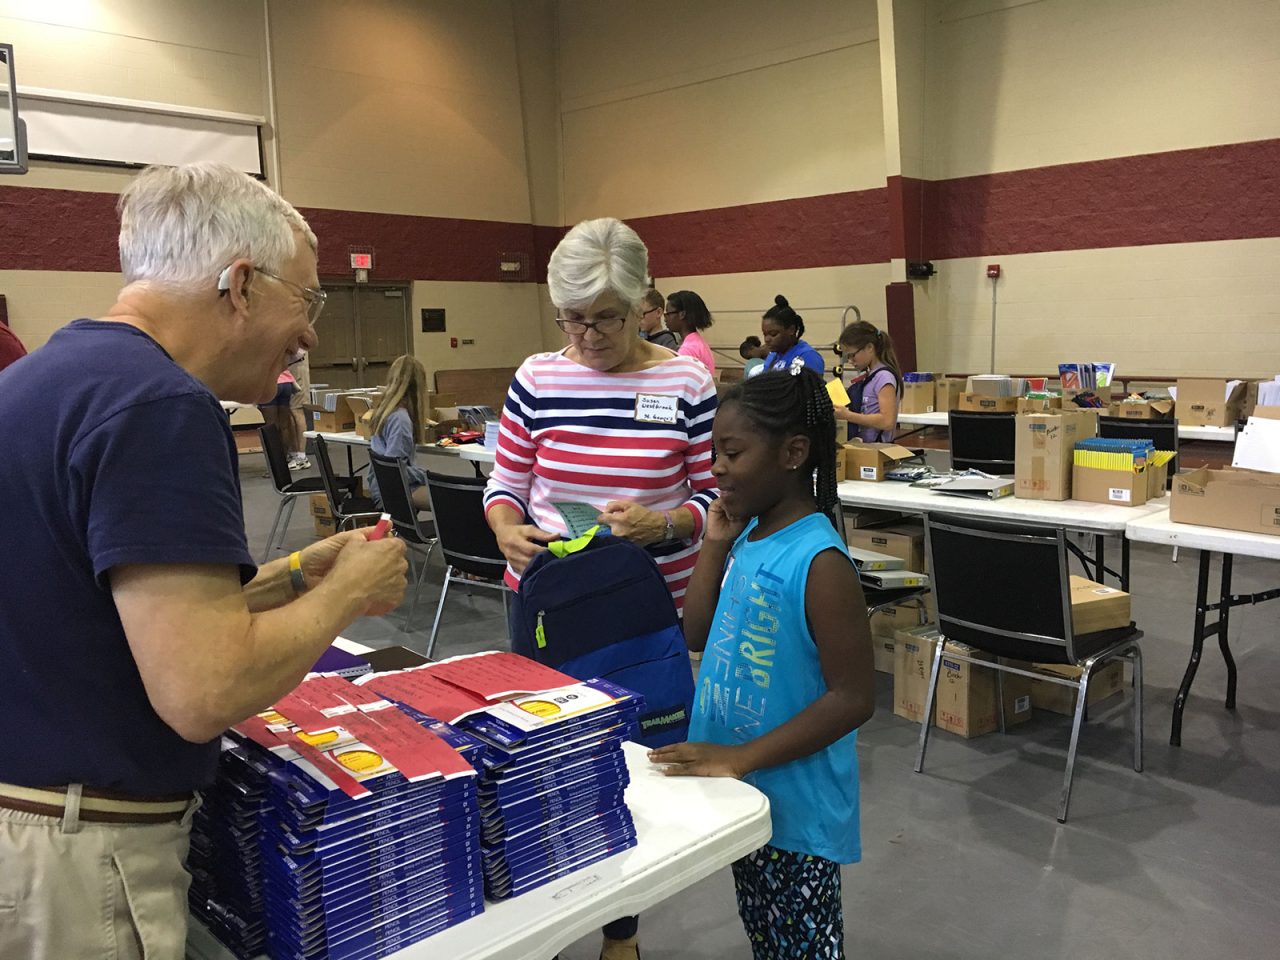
{"x": 604, "y": 611}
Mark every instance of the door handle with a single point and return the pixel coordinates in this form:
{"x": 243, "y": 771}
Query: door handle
{"x": 354, "y": 364}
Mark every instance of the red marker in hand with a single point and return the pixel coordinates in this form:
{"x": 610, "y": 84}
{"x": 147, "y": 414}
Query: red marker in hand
{"x": 381, "y": 528}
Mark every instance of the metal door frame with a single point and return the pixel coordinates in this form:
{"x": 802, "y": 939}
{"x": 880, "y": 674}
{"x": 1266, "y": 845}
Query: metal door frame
{"x": 347, "y": 283}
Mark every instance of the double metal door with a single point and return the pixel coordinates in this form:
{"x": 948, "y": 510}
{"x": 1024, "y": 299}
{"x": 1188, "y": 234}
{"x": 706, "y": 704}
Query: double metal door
{"x": 364, "y": 327}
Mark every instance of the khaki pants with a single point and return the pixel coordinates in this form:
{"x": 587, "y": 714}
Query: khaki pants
{"x": 71, "y": 889}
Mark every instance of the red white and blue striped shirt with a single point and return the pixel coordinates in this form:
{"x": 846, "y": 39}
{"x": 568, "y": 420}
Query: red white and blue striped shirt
{"x": 570, "y": 433}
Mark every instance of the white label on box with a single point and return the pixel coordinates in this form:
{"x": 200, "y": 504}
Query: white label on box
{"x": 1022, "y": 704}
{"x": 867, "y": 473}
{"x": 928, "y": 408}
{"x": 1103, "y": 591}
{"x": 1119, "y": 495}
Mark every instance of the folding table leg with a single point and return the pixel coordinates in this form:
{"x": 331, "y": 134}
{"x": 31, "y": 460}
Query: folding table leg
{"x": 1224, "y": 619}
{"x": 928, "y": 703}
{"x": 1197, "y": 648}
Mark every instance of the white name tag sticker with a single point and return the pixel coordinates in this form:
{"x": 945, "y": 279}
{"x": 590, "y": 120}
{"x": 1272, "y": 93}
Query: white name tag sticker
{"x": 1120, "y": 495}
{"x": 653, "y": 408}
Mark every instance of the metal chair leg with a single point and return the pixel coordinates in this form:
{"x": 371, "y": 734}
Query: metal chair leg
{"x": 435, "y": 627}
{"x": 999, "y": 697}
{"x": 1082, "y": 694}
{"x": 275, "y": 525}
{"x": 927, "y": 720}
{"x": 285, "y": 521}
{"x": 417, "y": 590}
{"x": 1137, "y": 709}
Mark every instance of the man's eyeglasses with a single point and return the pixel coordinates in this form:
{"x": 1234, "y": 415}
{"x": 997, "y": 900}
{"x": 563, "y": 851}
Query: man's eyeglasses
{"x": 576, "y": 328}
{"x": 315, "y": 297}
{"x": 650, "y": 310}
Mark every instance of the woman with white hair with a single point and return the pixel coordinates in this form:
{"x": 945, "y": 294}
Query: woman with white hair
{"x": 611, "y": 420}
{"x": 639, "y": 451}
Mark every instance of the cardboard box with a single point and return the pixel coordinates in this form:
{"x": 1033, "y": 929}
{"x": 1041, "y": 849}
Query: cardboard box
{"x": 1231, "y": 498}
{"x": 341, "y": 420}
{"x": 324, "y": 526}
{"x": 1095, "y": 606}
{"x": 856, "y": 518}
{"x": 1120, "y": 487}
{"x": 904, "y": 540}
{"x": 946, "y": 394}
{"x": 320, "y": 505}
{"x": 1105, "y": 683}
{"x": 869, "y": 461}
{"x": 1044, "y": 451}
{"x": 1143, "y": 410}
{"x": 905, "y": 616}
{"x": 883, "y": 647}
{"x": 917, "y": 397}
{"x": 965, "y": 702}
{"x": 1203, "y": 402}
{"x": 977, "y": 403}
{"x": 912, "y": 661}
{"x": 1039, "y": 404}
{"x": 1267, "y": 413}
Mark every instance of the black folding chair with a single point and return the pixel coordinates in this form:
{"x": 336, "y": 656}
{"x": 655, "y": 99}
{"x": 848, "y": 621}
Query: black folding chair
{"x": 287, "y": 486}
{"x": 346, "y": 506}
{"x": 470, "y": 549}
{"x": 1004, "y": 589}
{"x": 392, "y": 474}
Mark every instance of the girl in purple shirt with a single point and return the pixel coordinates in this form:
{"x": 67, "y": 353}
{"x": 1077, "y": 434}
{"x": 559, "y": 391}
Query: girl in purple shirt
{"x": 866, "y": 348}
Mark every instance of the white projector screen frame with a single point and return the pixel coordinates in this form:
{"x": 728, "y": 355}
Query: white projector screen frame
{"x": 77, "y": 128}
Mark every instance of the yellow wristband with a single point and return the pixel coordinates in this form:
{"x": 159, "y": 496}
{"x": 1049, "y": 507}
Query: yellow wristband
{"x": 296, "y": 578}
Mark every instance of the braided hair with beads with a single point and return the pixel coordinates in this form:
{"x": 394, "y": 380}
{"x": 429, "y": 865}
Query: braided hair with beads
{"x": 788, "y": 402}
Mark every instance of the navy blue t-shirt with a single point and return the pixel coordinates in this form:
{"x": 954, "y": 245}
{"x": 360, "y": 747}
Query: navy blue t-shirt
{"x": 110, "y": 454}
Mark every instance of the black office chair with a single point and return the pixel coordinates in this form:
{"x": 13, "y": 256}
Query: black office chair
{"x": 346, "y": 506}
{"x": 982, "y": 441}
{"x": 470, "y": 549}
{"x": 1004, "y": 589}
{"x": 392, "y": 474}
{"x": 1163, "y": 433}
{"x": 289, "y": 488}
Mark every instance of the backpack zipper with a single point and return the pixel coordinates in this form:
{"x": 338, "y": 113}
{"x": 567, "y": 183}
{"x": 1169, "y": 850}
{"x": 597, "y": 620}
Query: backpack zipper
{"x": 539, "y": 634}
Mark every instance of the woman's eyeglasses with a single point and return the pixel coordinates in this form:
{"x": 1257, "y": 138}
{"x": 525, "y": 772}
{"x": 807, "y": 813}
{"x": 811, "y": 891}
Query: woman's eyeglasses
{"x": 577, "y": 328}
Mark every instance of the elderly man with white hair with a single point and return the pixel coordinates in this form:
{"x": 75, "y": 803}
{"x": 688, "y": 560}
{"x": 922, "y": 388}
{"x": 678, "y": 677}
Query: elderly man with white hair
{"x": 134, "y": 625}
{"x": 611, "y": 420}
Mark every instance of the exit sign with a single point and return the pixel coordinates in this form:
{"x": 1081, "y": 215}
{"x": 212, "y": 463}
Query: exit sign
{"x": 362, "y": 261}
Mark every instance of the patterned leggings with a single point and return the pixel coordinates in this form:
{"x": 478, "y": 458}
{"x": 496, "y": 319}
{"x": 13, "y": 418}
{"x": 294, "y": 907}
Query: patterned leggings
{"x": 790, "y": 905}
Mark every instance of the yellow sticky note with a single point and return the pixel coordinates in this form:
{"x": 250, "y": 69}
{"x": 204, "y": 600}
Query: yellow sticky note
{"x": 839, "y": 395}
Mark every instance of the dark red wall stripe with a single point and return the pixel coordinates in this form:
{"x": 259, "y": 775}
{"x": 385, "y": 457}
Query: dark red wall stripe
{"x": 1212, "y": 193}
{"x": 831, "y": 230}
{"x": 1229, "y": 192}
{"x": 58, "y": 230}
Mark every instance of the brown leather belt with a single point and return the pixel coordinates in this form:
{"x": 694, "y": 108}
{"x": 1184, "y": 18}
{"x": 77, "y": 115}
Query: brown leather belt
{"x": 96, "y": 806}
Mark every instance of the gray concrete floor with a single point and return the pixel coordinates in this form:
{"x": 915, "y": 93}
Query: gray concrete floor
{"x": 966, "y": 861}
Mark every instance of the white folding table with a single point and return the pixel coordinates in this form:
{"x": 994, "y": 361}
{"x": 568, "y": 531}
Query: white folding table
{"x": 1158, "y": 528}
{"x": 687, "y": 828}
{"x": 1103, "y": 519}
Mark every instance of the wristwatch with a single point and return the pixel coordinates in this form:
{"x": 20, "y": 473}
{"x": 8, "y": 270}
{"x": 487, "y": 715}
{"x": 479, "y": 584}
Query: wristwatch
{"x": 670, "y": 532}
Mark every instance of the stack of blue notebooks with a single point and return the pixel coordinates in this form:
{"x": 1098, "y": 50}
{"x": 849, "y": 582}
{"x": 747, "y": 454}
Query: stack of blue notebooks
{"x": 551, "y": 784}
{"x": 348, "y": 877}
{"x": 225, "y": 862}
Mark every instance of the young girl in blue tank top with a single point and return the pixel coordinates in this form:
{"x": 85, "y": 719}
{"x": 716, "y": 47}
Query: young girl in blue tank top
{"x": 775, "y": 605}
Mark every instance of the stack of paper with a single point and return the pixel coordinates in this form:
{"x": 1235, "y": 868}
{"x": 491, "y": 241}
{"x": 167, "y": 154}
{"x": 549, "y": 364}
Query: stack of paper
{"x": 369, "y": 828}
{"x": 225, "y": 861}
{"x": 551, "y": 792}
{"x": 553, "y": 772}
{"x": 491, "y": 429}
